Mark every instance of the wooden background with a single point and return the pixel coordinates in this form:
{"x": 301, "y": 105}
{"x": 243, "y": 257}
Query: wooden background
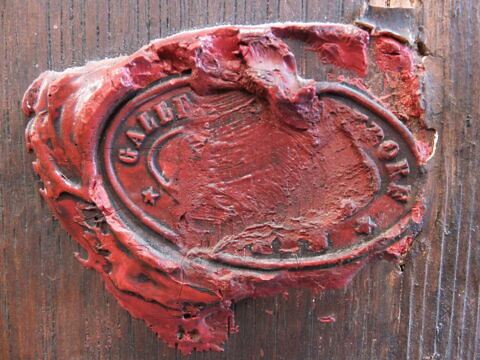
{"x": 53, "y": 308}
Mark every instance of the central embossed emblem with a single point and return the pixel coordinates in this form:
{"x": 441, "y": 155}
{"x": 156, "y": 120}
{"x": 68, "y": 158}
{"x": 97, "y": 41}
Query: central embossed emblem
{"x": 207, "y": 168}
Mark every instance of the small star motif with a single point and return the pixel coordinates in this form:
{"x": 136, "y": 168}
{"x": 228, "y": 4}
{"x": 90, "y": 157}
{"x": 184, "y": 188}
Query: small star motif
{"x": 150, "y": 195}
{"x": 365, "y": 225}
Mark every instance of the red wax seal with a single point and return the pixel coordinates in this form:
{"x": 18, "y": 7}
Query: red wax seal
{"x": 203, "y": 169}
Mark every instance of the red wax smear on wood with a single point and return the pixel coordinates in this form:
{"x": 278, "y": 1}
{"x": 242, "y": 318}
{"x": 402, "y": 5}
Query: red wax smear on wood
{"x": 396, "y": 61}
{"x": 399, "y": 249}
{"x": 326, "y": 319}
{"x": 402, "y": 87}
{"x": 188, "y": 302}
{"x": 345, "y": 49}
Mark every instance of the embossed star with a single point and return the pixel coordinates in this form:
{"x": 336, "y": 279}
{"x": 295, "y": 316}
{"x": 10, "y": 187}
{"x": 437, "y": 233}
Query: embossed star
{"x": 150, "y": 195}
{"x": 365, "y": 225}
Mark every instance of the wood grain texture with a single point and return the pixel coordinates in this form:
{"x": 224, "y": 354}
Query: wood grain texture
{"x": 428, "y": 308}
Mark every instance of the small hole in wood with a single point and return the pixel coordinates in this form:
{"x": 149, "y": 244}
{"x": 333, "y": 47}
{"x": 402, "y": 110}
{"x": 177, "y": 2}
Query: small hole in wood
{"x": 422, "y": 48}
{"x": 401, "y": 4}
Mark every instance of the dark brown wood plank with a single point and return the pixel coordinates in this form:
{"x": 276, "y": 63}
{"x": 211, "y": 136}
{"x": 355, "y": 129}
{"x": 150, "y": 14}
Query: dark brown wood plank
{"x": 52, "y": 308}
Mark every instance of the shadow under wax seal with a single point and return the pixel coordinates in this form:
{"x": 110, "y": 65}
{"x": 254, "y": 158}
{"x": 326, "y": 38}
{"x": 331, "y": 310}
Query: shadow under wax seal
{"x": 204, "y": 169}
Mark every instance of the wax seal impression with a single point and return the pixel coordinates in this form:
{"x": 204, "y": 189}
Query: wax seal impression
{"x": 207, "y": 168}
